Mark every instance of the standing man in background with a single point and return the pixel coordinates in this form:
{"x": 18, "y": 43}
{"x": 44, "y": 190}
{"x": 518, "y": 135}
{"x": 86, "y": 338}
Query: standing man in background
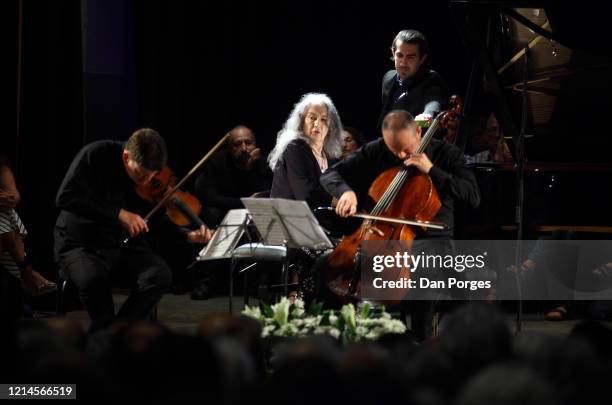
{"x": 411, "y": 86}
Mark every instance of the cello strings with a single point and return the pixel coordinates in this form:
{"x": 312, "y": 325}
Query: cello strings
{"x": 398, "y": 181}
{"x": 389, "y": 194}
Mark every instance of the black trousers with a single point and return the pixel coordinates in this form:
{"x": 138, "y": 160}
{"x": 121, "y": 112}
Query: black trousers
{"x": 90, "y": 271}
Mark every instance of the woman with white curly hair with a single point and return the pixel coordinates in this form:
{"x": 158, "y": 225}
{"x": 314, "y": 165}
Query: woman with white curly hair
{"x": 310, "y": 141}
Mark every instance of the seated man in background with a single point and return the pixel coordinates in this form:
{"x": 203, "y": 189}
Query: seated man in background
{"x": 488, "y": 144}
{"x": 235, "y": 172}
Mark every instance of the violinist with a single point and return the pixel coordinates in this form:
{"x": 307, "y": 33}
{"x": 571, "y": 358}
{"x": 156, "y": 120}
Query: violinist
{"x": 96, "y": 199}
{"x": 350, "y": 179}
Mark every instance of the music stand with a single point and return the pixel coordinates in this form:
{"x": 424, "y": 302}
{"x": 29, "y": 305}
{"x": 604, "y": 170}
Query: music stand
{"x": 286, "y": 223}
{"x": 226, "y": 237}
{"x": 224, "y": 241}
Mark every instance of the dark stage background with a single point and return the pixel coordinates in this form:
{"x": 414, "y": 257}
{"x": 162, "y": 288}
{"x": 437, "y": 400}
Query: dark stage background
{"x": 96, "y": 69}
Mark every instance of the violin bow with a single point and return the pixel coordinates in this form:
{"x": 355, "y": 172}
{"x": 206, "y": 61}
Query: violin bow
{"x": 186, "y": 177}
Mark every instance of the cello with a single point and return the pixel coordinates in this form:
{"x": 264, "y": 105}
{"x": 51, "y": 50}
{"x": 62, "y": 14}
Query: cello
{"x": 399, "y": 199}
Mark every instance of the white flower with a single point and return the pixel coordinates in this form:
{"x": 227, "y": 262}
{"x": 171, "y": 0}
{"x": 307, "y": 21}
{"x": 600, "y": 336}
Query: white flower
{"x": 299, "y": 303}
{"x": 333, "y": 318}
{"x": 312, "y": 321}
{"x": 361, "y": 331}
{"x": 396, "y": 326}
{"x": 385, "y": 326}
{"x": 348, "y": 313}
{"x": 335, "y": 333}
{"x": 373, "y": 334}
{"x": 286, "y": 330}
{"x": 267, "y": 330}
{"x": 281, "y": 311}
{"x": 297, "y": 312}
{"x": 295, "y": 323}
{"x": 322, "y": 330}
{"x": 366, "y": 322}
{"x": 253, "y": 312}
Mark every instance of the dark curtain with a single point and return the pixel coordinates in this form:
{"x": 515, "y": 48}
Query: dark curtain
{"x": 197, "y": 71}
{"x": 202, "y": 69}
{"x": 50, "y": 122}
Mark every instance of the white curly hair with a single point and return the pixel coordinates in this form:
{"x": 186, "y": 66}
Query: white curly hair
{"x": 294, "y": 128}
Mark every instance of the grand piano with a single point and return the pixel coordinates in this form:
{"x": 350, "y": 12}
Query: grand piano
{"x": 544, "y": 69}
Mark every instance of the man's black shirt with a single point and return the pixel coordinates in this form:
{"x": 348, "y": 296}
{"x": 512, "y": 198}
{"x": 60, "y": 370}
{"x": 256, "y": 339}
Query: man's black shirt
{"x": 425, "y": 92}
{"x": 93, "y": 191}
{"x": 452, "y": 179}
{"x": 222, "y": 182}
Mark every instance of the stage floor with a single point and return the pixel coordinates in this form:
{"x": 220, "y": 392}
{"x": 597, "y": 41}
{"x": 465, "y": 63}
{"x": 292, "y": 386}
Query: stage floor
{"x": 181, "y": 314}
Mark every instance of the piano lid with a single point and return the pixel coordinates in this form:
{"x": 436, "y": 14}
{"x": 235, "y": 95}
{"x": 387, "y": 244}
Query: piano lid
{"x": 567, "y": 74}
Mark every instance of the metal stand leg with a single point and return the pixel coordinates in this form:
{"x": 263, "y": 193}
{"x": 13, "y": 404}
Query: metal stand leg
{"x": 61, "y": 298}
{"x": 231, "y": 286}
{"x": 285, "y": 277}
{"x": 286, "y": 269}
{"x": 245, "y": 289}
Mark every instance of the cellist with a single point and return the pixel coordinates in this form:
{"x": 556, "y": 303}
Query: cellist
{"x": 350, "y": 179}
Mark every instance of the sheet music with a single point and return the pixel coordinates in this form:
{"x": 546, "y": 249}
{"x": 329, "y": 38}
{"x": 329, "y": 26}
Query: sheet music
{"x": 270, "y": 229}
{"x": 298, "y": 227}
{"x": 226, "y": 236}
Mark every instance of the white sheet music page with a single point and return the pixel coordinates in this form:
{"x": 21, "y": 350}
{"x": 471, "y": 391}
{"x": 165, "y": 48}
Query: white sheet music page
{"x": 226, "y": 236}
{"x": 262, "y": 212}
{"x": 279, "y": 220}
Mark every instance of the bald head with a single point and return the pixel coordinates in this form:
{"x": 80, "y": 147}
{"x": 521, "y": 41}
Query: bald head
{"x": 401, "y": 133}
{"x": 241, "y": 142}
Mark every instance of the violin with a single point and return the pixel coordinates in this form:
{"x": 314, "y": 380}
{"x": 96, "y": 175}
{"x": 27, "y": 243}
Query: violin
{"x": 165, "y": 191}
{"x": 182, "y": 208}
{"x": 451, "y": 120}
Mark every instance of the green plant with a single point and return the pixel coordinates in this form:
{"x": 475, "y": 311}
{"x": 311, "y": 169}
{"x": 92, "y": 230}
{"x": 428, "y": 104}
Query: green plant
{"x": 290, "y": 319}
